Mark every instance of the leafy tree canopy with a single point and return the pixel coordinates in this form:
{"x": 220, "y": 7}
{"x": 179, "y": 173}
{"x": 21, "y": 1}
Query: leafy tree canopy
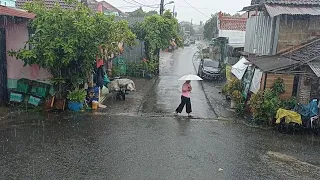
{"x": 66, "y": 41}
{"x": 188, "y": 27}
{"x": 140, "y": 13}
{"x": 157, "y": 32}
{"x": 210, "y": 27}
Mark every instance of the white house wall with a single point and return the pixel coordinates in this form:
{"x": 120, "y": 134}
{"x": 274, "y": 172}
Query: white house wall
{"x": 235, "y": 37}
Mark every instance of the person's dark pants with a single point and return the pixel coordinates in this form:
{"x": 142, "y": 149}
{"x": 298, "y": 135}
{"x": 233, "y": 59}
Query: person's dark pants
{"x": 184, "y": 101}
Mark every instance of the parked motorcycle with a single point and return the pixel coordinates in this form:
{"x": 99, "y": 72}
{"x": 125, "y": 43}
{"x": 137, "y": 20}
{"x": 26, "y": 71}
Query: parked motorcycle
{"x": 302, "y": 118}
{"x": 309, "y": 115}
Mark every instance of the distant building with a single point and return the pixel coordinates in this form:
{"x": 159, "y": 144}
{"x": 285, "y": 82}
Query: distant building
{"x": 233, "y": 28}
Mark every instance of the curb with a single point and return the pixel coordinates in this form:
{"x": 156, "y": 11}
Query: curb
{"x": 205, "y": 94}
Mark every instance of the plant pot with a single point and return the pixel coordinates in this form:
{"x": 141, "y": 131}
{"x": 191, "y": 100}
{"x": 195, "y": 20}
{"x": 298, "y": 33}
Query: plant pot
{"x": 75, "y": 106}
{"x": 59, "y": 104}
{"x": 233, "y": 104}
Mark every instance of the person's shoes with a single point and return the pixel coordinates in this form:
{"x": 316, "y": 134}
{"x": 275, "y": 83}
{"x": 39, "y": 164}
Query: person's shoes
{"x": 189, "y": 115}
{"x": 175, "y": 113}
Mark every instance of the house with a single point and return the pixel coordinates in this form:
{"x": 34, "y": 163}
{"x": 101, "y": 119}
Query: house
{"x": 13, "y": 35}
{"x": 101, "y": 6}
{"x": 282, "y": 41}
{"x": 108, "y": 9}
{"x": 279, "y": 25}
{"x": 233, "y": 30}
{"x": 299, "y": 68}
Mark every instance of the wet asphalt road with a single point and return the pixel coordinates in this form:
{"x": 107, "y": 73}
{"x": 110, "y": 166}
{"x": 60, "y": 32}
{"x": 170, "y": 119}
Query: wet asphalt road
{"x": 153, "y": 144}
{"x": 165, "y": 97}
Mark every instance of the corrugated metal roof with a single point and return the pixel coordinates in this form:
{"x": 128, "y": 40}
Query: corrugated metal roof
{"x": 270, "y": 63}
{"x": 304, "y": 53}
{"x": 293, "y": 2}
{"x": 315, "y": 66}
{"x": 8, "y": 11}
{"x": 275, "y": 10}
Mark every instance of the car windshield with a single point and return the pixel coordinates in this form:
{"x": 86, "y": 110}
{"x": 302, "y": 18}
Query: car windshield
{"x": 210, "y": 63}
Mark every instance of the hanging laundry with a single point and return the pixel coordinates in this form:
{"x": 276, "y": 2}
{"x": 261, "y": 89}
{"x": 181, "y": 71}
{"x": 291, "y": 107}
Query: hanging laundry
{"x": 100, "y": 77}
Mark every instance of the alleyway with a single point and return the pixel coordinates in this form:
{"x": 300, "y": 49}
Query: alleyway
{"x": 152, "y": 143}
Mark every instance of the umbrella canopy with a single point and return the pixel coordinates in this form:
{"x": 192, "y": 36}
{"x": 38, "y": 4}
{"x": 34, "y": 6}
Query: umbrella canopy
{"x": 190, "y": 77}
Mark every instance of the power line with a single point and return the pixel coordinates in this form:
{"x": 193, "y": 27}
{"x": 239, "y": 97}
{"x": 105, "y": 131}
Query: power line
{"x": 196, "y": 9}
{"x": 142, "y": 4}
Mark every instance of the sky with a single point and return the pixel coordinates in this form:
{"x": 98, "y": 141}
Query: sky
{"x": 201, "y": 12}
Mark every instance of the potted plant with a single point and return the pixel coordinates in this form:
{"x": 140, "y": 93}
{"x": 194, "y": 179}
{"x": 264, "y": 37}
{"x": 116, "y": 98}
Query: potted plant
{"x": 76, "y": 99}
{"x": 236, "y": 98}
{"x": 59, "y": 100}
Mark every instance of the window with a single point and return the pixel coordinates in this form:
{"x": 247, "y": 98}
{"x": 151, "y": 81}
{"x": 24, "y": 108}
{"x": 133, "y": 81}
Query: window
{"x": 210, "y": 63}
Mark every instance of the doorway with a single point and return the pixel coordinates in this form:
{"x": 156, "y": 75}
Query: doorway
{"x": 3, "y": 67}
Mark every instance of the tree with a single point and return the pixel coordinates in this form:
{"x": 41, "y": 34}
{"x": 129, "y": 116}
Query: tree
{"x": 66, "y": 42}
{"x": 157, "y": 31}
{"x": 210, "y": 27}
{"x": 188, "y": 27}
{"x": 140, "y": 13}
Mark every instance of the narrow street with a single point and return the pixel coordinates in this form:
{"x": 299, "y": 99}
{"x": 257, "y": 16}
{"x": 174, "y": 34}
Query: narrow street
{"x": 147, "y": 142}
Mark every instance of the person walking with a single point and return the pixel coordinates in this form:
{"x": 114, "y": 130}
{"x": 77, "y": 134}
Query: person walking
{"x": 185, "y": 99}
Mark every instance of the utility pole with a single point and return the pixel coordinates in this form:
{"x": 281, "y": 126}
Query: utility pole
{"x": 174, "y": 7}
{"x": 158, "y": 50}
{"x": 161, "y": 7}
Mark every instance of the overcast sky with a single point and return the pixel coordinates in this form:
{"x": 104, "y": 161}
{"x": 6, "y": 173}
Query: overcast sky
{"x": 183, "y": 7}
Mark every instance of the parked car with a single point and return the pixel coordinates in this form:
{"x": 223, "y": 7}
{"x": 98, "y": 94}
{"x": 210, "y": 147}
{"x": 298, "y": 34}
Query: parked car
{"x": 209, "y": 69}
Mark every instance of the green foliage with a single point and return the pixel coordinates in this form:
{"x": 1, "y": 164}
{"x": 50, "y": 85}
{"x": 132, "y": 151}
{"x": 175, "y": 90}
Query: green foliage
{"x": 256, "y": 105}
{"x": 234, "y": 85}
{"x": 237, "y": 96}
{"x": 140, "y": 13}
{"x": 278, "y": 86}
{"x": 116, "y": 71}
{"x": 188, "y": 27}
{"x": 289, "y": 103}
{"x": 157, "y": 32}
{"x": 240, "y": 109}
{"x": 264, "y": 104}
{"x": 210, "y": 27}
{"x": 77, "y": 95}
{"x": 66, "y": 42}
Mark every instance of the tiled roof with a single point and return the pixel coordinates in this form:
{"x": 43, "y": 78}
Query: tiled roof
{"x": 108, "y": 6}
{"x": 232, "y": 23}
{"x": 48, "y": 3}
{"x": 304, "y": 53}
{"x": 8, "y": 11}
{"x": 289, "y": 2}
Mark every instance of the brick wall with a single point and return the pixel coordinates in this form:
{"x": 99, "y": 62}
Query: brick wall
{"x": 295, "y": 30}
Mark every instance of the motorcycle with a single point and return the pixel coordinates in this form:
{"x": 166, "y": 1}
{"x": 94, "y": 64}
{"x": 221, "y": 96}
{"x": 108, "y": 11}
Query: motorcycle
{"x": 309, "y": 115}
{"x": 300, "y": 118}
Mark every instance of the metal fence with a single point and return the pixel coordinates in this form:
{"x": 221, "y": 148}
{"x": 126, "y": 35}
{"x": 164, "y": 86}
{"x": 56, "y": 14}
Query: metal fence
{"x": 135, "y": 52}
